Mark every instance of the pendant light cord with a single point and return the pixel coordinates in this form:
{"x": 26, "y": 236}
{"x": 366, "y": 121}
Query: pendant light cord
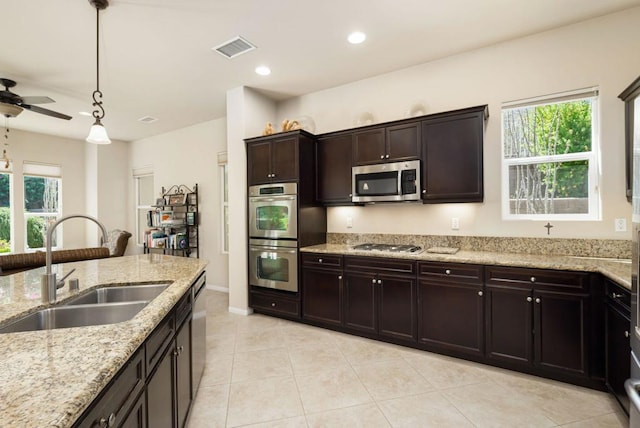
{"x": 98, "y": 113}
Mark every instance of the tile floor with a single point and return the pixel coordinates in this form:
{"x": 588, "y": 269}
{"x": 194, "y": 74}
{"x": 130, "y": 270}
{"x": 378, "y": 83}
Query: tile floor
{"x": 267, "y": 372}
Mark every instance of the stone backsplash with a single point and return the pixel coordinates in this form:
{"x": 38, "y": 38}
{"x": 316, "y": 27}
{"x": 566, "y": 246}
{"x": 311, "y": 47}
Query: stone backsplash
{"x": 610, "y": 248}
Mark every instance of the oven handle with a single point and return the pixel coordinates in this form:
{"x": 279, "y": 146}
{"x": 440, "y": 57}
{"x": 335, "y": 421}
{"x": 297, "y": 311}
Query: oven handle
{"x": 275, "y": 249}
{"x": 283, "y": 198}
{"x": 631, "y": 385}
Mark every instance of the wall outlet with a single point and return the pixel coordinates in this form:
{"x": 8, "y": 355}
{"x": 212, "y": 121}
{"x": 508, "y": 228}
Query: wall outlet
{"x": 349, "y": 222}
{"x": 621, "y": 225}
{"x": 455, "y": 223}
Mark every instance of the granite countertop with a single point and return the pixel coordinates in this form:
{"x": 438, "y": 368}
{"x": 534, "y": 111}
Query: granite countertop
{"x": 618, "y": 270}
{"x": 49, "y": 377}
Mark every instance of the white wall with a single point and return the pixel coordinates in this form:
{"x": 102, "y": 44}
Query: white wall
{"x": 187, "y": 156}
{"x": 602, "y": 52}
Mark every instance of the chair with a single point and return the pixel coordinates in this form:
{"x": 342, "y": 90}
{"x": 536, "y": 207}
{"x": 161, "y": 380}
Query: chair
{"x": 117, "y": 241}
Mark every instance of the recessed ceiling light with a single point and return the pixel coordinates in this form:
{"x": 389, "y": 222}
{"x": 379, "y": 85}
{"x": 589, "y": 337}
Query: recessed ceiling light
{"x": 263, "y": 70}
{"x": 84, "y": 113}
{"x": 357, "y": 37}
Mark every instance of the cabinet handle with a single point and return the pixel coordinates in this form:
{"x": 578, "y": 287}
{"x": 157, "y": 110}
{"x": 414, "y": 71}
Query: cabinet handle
{"x": 615, "y": 296}
{"x": 319, "y": 260}
{"x": 381, "y": 156}
{"x": 109, "y": 422}
{"x": 529, "y": 299}
{"x": 626, "y": 334}
{"x": 533, "y": 279}
{"x": 273, "y": 304}
{"x": 268, "y": 175}
{"x": 373, "y": 281}
{"x": 350, "y": 195}
{"x": 537, "y": 300}
{"x": 386, "y": 156}
{"x": 379, "y": 281}
{"x": 447, "y": 272}
{"x": 424, "y": 191}
{"x": 480, "y": 293}
{"x": 340, "y": 277}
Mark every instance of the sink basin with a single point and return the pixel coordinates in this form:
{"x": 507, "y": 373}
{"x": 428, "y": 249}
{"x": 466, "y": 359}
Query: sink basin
{"x": 75, "y": 316}
{"x": 130, "y": 293}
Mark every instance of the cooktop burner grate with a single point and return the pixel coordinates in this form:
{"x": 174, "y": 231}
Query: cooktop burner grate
{"x": 391, "y": 248}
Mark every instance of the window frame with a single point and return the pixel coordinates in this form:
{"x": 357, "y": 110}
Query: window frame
{"x": 223, "y": 166}
{"x": 140, "y": 207}
{"x": 7, "y": 168}
{"x": 42, "y": 170}
{"x": 592, "y": 157}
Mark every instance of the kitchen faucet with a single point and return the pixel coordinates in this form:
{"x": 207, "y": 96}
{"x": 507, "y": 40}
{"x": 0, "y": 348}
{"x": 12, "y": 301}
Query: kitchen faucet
{"x": 48, "y": 283}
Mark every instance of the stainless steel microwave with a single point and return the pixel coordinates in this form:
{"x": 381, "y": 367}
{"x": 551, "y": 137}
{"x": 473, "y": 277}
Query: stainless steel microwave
{"x": 386, "y": 182}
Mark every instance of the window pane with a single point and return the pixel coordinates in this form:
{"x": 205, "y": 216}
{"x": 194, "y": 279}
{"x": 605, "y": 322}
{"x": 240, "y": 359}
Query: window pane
{"x": 226, "y": 182}
{"x": 37, "y": 227}
{"x": 145, "y": 190}
{"x": 545, "y": 130}
{"x": 5, "y": 213}
{"x": 41, "y": 194}
{"x": 142, "y": 224}
{"x": 549, "y": 188}
{"x": 226, "y": 229}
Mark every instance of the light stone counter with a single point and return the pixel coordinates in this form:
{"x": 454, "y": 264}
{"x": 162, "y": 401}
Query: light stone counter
{"x": 48, "y": 378}
{"x": 618, "y": 270}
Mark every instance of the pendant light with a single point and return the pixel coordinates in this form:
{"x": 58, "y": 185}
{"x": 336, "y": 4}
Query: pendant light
{"x": 98, "y": 133}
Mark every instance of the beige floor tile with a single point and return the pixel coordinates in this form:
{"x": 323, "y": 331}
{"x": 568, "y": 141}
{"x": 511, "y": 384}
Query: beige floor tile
{"x": 611, "y": 420}
{"x": 217, "y": 370}
{"x": 263, "y": 401}
{"x": 365, "y": 416}
{"x": 362, "y": 351}
{"x": 259, "y": 340}
{"x": 444, "y": 372}
{"x": 424, "y": 410}
{"x": 220, "y": 346}
{"x": 391, "y": 379}
{"x": 210, "y": 407}
{"x": 301, "y": 336}
{"x": 258, "y": 322}
{"x": 330, "y": 390}
{"x": 489, "y": 404}
{"x": 257, "y": 365}
{"x": 297, "y": 422}
{"x": 316, "y": 358}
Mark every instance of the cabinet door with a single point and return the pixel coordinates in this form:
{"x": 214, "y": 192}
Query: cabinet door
{"x": 403, "y": 141}
{"x": 452, "y": 158}
{"x": 451, "y": 316}
{"x": 333, "y": 171}
{"x": 397, "y": 307}
{"x": 618, "y": 353}
{"x": 138, "y": 416}
{"x": 508, "y": 315}
{"x": 183, "y": 373}
{"x": 369, "y": 146}
{"x": 560, "y": 331}
{"x": 359, "y": 302}
{"x": 322, "y": 296}
{"x": 160, "y": 397}
{"x": 259, "y": 162}
{"x": 284, "y": 159}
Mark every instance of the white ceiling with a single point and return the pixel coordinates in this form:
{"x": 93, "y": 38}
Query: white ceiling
{"x": 156, "y": 56}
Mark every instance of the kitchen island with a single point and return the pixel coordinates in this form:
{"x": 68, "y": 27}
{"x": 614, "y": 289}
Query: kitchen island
{"x": 50, "y": 377}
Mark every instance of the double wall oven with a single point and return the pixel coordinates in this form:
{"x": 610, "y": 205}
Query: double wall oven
{"x": 273, "y": 233}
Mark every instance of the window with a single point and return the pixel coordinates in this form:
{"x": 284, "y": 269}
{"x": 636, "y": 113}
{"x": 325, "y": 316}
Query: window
{"x": 550, "y": 166}
{"x": 224, "y": 192}
{"x": 144, "y": 200}
{"x": 6, "y": 223}
{"x": 42, "y": 203}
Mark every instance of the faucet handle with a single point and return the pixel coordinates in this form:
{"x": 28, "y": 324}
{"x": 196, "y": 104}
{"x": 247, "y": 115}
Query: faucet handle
{"x": 60, "y": 283}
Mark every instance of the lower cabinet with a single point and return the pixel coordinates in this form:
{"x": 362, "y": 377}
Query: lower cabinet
{"x": 618, "y": 348}
{"x": 322, "y": 291}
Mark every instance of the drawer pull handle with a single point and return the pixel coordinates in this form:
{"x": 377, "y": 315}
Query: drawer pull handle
{"x": 424, "y": 191}
{"x": 273, "y": 304}
{"x": 615, "y": 296}
{"x": 381, "y": 156}
{"x": 379, "y": 281}
{"x": 529, "y": 299}
{"x": 447, "y": 272}
{"x": 626, "y": 334}
{"x": 109, "y": 422}
{"x": 319, "y": 260}
{"x": 340, "y": 277}
{"x": 373, "y": 281}
{"x": 533, "y": 279}
{"x": 386, "y": 156}
{"x": 537, "y": 300}
{"x": 480, "y": 293}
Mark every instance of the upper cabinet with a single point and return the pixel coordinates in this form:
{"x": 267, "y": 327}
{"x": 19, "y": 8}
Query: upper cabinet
{"x": 333, "y": 172}
{"x": 277, "y": 158}
{"x": 452, "y": 146}
{"x": 631, "y": 98}
{"x": 386, "y": 144}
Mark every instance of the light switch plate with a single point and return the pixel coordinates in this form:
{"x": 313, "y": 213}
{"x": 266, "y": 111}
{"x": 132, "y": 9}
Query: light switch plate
{"x": 455, "y": 223}
{"x": 621, "y": 225}
{"x": 349, "y": 222}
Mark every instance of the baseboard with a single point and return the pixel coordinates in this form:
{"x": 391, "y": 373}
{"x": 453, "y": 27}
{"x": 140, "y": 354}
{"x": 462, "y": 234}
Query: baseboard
{"x": 239, "y": 311}
{"x": 218, "y": 288}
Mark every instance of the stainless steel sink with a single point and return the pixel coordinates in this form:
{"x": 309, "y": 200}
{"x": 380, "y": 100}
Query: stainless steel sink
{"x": 130, "y": 293}
{"x": 75, "y": 316}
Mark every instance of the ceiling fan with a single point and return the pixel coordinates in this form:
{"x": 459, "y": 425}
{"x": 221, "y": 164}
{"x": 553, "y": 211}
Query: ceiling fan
{"x": 12, "y": 104}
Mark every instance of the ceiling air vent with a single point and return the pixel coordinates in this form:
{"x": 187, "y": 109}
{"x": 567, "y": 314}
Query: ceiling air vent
{"x": 234, "y": 47}
{"x": 147, "y": 119}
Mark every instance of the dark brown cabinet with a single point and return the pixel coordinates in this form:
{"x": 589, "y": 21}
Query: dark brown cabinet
{"x": 387, "y": 144}
{"x": 442, "y": 287}
{"x": 273, "y": 160}
{"x": 380, "y": 297}
{"x": 333, "y": 169}
{"x": 538, "y": 318}
{"x": 322, "y": 290}
{"x": 629, "y": 96}
{"x": 617, "y": 346}
{"x": 452, "y": 156}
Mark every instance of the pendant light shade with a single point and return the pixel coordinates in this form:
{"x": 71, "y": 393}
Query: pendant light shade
{"x": 98, "y": 133}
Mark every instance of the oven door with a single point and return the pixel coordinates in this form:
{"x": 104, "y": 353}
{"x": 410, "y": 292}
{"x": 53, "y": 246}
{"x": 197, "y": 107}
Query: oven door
{"x": 273, "y": 266}
{"x": 273, "y": 217}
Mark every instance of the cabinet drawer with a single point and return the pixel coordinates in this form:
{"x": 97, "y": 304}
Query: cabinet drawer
{"x": 158, "y": 341}
{"x": 275, "y": 304}
{"x": 539, "y": 279}
{"x": 119, "y": 396}
{"x": 472, "y": 274}
{"x": 329, "y": 261}
{"x": 617, "y": 294}
{"x": 379, "y": 265}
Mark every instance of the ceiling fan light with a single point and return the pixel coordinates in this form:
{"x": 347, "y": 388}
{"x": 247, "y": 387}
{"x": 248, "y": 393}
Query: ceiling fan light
{"x": 9, "y": 110}
{"x": 98, "y": 134}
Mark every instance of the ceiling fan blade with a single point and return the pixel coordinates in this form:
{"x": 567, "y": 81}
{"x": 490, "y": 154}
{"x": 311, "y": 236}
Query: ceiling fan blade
{"x": 37, "y": 100}
{"x": 48, "y": 112}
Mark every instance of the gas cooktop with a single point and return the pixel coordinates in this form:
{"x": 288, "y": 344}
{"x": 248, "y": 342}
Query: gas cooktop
{"x": 389, "y": 248}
